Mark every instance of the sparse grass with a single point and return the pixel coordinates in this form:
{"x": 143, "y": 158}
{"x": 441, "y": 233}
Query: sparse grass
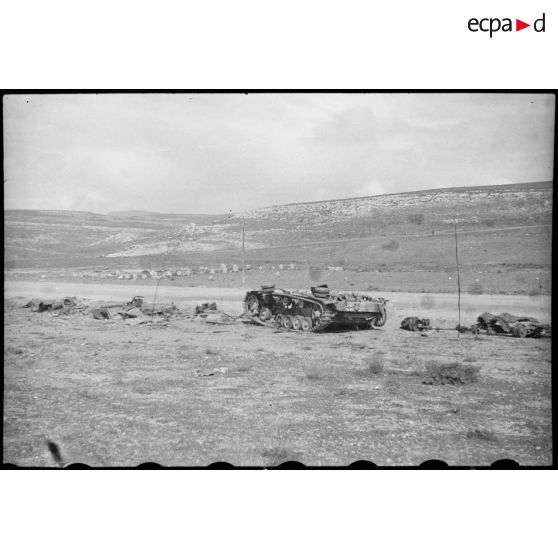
{"x": 482, "y": 434}
{"x": 453, "y": 373}
{"x": 469, "y": 359}
{"x": 87, "y": 394}
{"x": 535, "y": 292}
{"x": 475, "y": 289}
{"x": 376, "y": 364}
{"x": 391, "y": 245}
{"x": 280, "y": 454}
{"x": 183, "y": 420}
{"x": 416, "y": 218}
{"x": 210, "y": 351}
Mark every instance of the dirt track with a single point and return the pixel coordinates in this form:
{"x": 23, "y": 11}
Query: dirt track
{"x": 440, "y": 305}
{"x": 114, "y": 394}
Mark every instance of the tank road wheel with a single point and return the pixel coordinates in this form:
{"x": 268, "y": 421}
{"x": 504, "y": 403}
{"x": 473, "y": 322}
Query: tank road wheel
{"x": 297, "y": 324}
{"x": 519, "y": 330}
{"x": 316, "y": 316}
{"x": 253, "y": 305}
{"x": 287, "y": 322}
{"x": 278, "y": 321}
{"x": 265, "y": 314}
{"x": 305, "y": 324}
{"x": 380, "y": 320}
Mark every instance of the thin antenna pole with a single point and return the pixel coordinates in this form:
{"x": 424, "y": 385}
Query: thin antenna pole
{"x": 243, "y": 234}
{"x": 158, "y": 281}
{"x": 458, "y": 284}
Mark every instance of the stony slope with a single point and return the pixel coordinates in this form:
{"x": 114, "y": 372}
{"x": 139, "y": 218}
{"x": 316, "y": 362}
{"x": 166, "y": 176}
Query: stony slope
{"x": 73, "y": 239}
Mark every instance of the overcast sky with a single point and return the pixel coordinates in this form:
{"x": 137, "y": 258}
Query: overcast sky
{"x": 188, "y": 153}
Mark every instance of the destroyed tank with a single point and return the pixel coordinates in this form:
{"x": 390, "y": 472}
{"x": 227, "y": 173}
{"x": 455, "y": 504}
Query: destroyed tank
{"x": 313, "y": 310}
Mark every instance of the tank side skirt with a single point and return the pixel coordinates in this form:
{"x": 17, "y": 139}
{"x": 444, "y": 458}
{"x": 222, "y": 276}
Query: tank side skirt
{"x": 326, "y": 315}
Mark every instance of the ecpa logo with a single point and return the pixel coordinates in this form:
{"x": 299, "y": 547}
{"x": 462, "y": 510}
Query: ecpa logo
{"x": 494, "y": 24}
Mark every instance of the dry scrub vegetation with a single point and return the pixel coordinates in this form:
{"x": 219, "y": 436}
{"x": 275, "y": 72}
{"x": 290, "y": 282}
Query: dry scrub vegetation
{"x": 454, "y": 373}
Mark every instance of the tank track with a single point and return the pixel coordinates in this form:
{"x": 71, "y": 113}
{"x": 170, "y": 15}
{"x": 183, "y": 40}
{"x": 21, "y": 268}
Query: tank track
{"x": 325, "y": 320}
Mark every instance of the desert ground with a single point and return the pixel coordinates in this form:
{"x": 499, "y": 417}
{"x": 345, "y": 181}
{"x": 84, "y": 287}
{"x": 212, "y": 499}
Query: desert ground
{"x": 113, "y": 394}
{"x": 188, "y": 392}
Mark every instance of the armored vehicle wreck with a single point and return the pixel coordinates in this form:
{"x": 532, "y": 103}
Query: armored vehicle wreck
{"x": 313, "y": 310}
{"x": 508, "y": 324}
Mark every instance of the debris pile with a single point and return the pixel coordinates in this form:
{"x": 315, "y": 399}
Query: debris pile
{"x": 220, "y": 318}
{"x": 508, "y": 324}
{"x": 101, "y": 314}
{"x": 41, "y": 305}
{"x": 210, "y": 372}
{"x": 206, "y": 308}
{"x": 412, "y": 323}
{"x": 133, "y": 312}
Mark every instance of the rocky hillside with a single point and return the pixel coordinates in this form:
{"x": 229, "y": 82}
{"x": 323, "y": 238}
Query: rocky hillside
{"x": 406, "y": 213}
{"x": 43, "y": 239}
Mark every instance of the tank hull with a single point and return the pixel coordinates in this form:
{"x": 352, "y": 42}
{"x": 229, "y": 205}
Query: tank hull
{"x": 313, "y": 311}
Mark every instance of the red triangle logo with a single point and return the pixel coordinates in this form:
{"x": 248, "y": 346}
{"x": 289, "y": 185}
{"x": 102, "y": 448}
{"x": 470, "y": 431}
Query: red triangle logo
{"x": 519, "y": 25}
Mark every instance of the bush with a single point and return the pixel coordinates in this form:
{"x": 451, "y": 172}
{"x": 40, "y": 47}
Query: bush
{"x": 535, "y": 292}
{"x": 391, "y": 245}
{"x": 454, "y": 373}
{"x": 489, "y": 222}
{"x": 376, "y": 365}
{"x": 280, "y": 454}
{"x": 416, "y": 218}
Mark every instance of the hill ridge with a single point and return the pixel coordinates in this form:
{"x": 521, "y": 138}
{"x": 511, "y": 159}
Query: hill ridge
{"x": 543, "y": 184}
{"x": 538, "y": 185}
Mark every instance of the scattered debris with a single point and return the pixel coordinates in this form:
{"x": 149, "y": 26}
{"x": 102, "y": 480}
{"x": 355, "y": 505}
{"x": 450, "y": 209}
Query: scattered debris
{"x": 38, "y": 305}
{"x": 210, "y": 372}
{"x": 206, "y": 307}
{"x": 508, "y": 324}
{"x": 159, "y": 308}
{"x": 136, "y": 302}
{"x": 412, "y": 323}
{"x": 133, "y": 312}
{"x": 203, "y": 373}
{"x": 100, "y": 314}
{"x": 33, "y": 303}
{"x": 219, "y": 318}
{"x": 136, "y": 321}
